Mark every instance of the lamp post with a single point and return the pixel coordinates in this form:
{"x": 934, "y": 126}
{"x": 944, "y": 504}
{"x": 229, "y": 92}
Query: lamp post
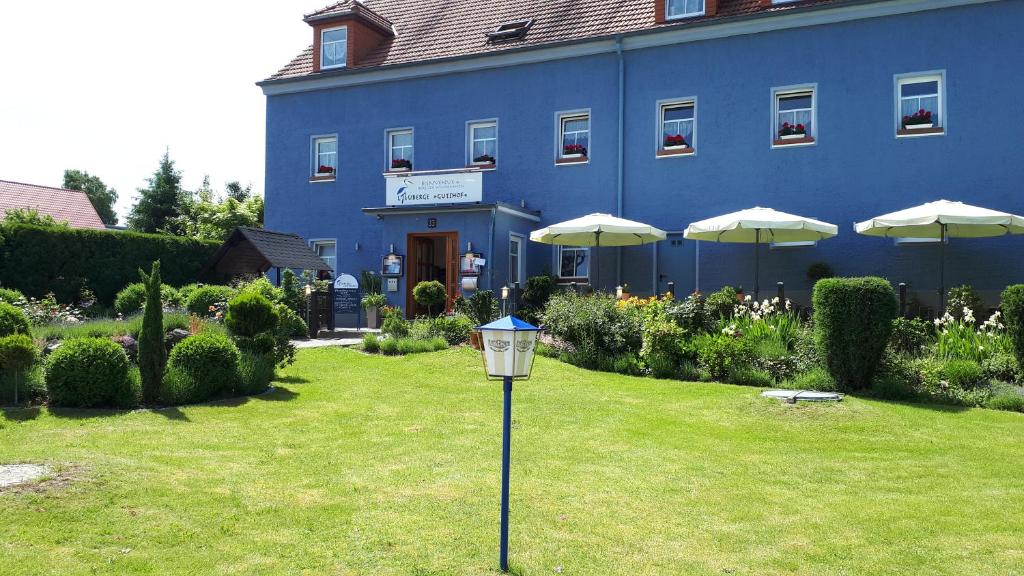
{"x": 508, "y": 350}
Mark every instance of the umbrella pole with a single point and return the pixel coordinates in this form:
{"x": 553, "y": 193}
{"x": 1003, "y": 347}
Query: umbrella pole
{"x": 596, "y": 263}
{"x": 942, "y": 270}
{"x": 757, "y": 264}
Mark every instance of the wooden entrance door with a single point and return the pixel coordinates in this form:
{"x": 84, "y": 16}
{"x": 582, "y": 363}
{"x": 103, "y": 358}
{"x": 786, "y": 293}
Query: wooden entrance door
{"x": 432, "y": 256}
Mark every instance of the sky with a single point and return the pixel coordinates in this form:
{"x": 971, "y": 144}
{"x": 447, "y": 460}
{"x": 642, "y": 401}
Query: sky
{"x": 108, "y": 86}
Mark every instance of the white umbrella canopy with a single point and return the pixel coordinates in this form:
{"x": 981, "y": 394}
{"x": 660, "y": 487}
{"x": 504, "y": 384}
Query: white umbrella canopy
{"x": 598, "y": 230}
{"x": 942, "y": 218}
{"x": 757, "y": 225}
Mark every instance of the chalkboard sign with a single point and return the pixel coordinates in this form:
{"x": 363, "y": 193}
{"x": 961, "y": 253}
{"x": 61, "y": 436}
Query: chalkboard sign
{"x": 347, "y": 295}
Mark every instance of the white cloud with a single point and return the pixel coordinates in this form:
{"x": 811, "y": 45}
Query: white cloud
{"x": 107, "y": 86}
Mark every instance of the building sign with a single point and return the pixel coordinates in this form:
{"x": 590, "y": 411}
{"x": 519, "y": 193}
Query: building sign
{"x": 452, "y": 188}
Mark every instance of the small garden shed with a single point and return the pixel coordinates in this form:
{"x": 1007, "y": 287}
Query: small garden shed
{"x": 256, "y": 251}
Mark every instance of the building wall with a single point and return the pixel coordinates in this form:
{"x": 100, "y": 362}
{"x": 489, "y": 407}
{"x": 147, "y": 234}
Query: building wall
{"x": 857, "y": 168}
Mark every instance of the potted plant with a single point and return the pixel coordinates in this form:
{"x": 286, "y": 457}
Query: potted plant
{"x": 323, "y": 170}
{"x": 920, "y": 119}
{"x": 675, "y": 141}
{"x": 792, "y": 131}
{"x": 574, "y": 151}
{"x": 373, "y": 304}
{"x": 625, "y": 292}
{"x": 483, "y": 159}
{"x": 401, "y": 165}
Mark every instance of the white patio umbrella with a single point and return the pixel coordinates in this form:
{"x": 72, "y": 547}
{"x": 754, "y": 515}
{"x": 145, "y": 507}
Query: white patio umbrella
{"x": 756, "y": 225}
{"x": 598, "y": 230}
{"x": 942, "y": 219}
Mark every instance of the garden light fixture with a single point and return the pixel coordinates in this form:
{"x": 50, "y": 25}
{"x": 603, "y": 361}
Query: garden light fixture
{"x": 508, "y": 347}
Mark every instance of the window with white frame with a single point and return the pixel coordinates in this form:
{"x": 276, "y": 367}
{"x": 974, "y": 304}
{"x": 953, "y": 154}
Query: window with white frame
{"x": 483, "y": 142}
{"x": 794, "y": 116}
{"x": 327, "y": 250}
{"x": 333, "y": 47}
{"x": 325, "y": 156}
{"x": 515, "y": 260}
{"x": 676, "y": 120}
{"x": 920, "y": 103}
{"x": 573, "y": 263}
{"x": 400, "y": 149}
{"x": 683, "y": 8}
{"x": 574, "y": 135}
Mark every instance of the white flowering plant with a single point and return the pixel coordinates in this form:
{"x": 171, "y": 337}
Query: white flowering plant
{"x": 960, "y": 338}
{"x": 772, "y": 319}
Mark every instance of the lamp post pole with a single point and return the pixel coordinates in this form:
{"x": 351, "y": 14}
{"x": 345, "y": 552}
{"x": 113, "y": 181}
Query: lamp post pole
{"x": 506, "y": 448}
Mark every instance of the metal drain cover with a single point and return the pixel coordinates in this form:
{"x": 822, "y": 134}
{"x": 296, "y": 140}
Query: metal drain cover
{"x": 793, "y": 396}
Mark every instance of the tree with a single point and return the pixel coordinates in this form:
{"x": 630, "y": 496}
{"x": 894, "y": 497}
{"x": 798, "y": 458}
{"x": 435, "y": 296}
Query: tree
{"x": 203, "y": 215}
{"x": 102, "y": 198}
{"x": 234, "y": 190}
{"x": 152, "y": 355}
{"x": 161, "y": 202}
{"x": 31, "y": 216}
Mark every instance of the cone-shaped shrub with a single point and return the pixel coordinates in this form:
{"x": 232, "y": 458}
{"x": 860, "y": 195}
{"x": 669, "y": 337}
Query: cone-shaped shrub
{"x": 152, "y": 355}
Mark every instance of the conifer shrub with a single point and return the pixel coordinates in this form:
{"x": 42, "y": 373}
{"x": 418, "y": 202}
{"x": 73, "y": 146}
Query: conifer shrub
{"x": 152, "y": 354}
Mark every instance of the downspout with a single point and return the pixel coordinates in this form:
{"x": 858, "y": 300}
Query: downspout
{"x": 621, "y": 152}
{"x": 490, "y": 252}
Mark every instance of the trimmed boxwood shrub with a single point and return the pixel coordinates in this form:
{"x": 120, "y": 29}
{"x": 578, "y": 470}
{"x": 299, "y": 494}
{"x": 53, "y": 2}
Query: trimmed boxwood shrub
{"x": 1013, "y": 315}
{"x": 201, "y": 298}
{"x": 853, "y": 321}
{"x": 90, "y": 372}
{"x": 37, "y": 260}
{"x": 201, "y": 367}
{"x": 18, "y": 354}
{"x": 250, "y": 314}
{"x": 291, "y": 324}
{"x": 12, "y": 320}
{"x": 130, "y": 299}
{"x": 430, "y": 293}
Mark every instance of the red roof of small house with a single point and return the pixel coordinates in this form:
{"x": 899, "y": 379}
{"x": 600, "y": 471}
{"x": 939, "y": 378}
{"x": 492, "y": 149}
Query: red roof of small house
{"x": 63, "y": 205}
{"x": 436, "y": 29}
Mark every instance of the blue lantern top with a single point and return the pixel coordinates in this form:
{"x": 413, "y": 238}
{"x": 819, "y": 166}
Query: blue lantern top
{"x": 509, "y": 324}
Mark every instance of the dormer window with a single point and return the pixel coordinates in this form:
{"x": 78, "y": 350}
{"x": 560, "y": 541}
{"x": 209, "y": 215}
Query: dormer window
{"x": 683, "y": 8}
{"x": 333, "y": 47}
{"x": 510, "y": 30}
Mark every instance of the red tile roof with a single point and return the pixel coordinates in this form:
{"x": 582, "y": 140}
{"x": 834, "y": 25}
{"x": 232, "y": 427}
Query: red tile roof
{"x": 346, "y": 7}
{"x": 64, "y": 205}
{"x": 434, "y": 29}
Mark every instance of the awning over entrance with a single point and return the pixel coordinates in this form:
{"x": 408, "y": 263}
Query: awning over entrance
{"x": 254, "y": 251}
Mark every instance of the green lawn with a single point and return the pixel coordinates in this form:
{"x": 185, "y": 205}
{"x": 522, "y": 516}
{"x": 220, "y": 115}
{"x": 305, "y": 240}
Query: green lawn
{"x": 377, "y": 465}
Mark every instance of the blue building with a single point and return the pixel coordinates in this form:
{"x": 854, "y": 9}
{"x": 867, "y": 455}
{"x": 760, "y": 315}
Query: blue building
{"x": 426, "y": 130}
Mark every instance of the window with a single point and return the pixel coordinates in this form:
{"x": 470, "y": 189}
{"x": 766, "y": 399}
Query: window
{"x": 483, "y": 143}
{"x": 675, "y": 127}
{"x": 683, "y": 8}
{"x": 327, "y": 251}
{"x": 515, "y": 260}
{"x": 574, "y": 137}
{"x": 574, "y": 263}
{"x": 919, "y": 104}
{"x": 400, "y": 149}
{"x": 333, "y": 47}
{"x": 794, "y": 116}
{"x": 325, "y": 157}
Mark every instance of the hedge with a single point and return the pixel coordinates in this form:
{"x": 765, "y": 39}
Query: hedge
{"x": 38, "y": 260}
{"x": 853, "y": 321}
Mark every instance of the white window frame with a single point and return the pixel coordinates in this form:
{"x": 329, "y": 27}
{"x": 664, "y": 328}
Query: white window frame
{"x": 470, "y": 127}
{"x": 519, "y": 240}
{"x": 912, "y": 78}
{"x": 783, "y": 92}
{"x": 560, "y": 119}
{"x": 670, "y": 16}
{"x": 314, "y": 144}
{"x": 315, "y": 242}
{"x": 659, "y": 136}
{"x": 344, "y": 61}
{"x": 389, "y": 142}
{"x": 558, "y": 265}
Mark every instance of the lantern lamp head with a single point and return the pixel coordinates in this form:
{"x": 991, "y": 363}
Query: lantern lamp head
{"x": 509, "y": 346}
{"x": 504, "y": 292}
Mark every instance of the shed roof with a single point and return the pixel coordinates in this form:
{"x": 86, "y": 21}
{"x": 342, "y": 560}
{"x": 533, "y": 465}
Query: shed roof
{"x": 71, "y": 206}
{"x": 251, "y": 250}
